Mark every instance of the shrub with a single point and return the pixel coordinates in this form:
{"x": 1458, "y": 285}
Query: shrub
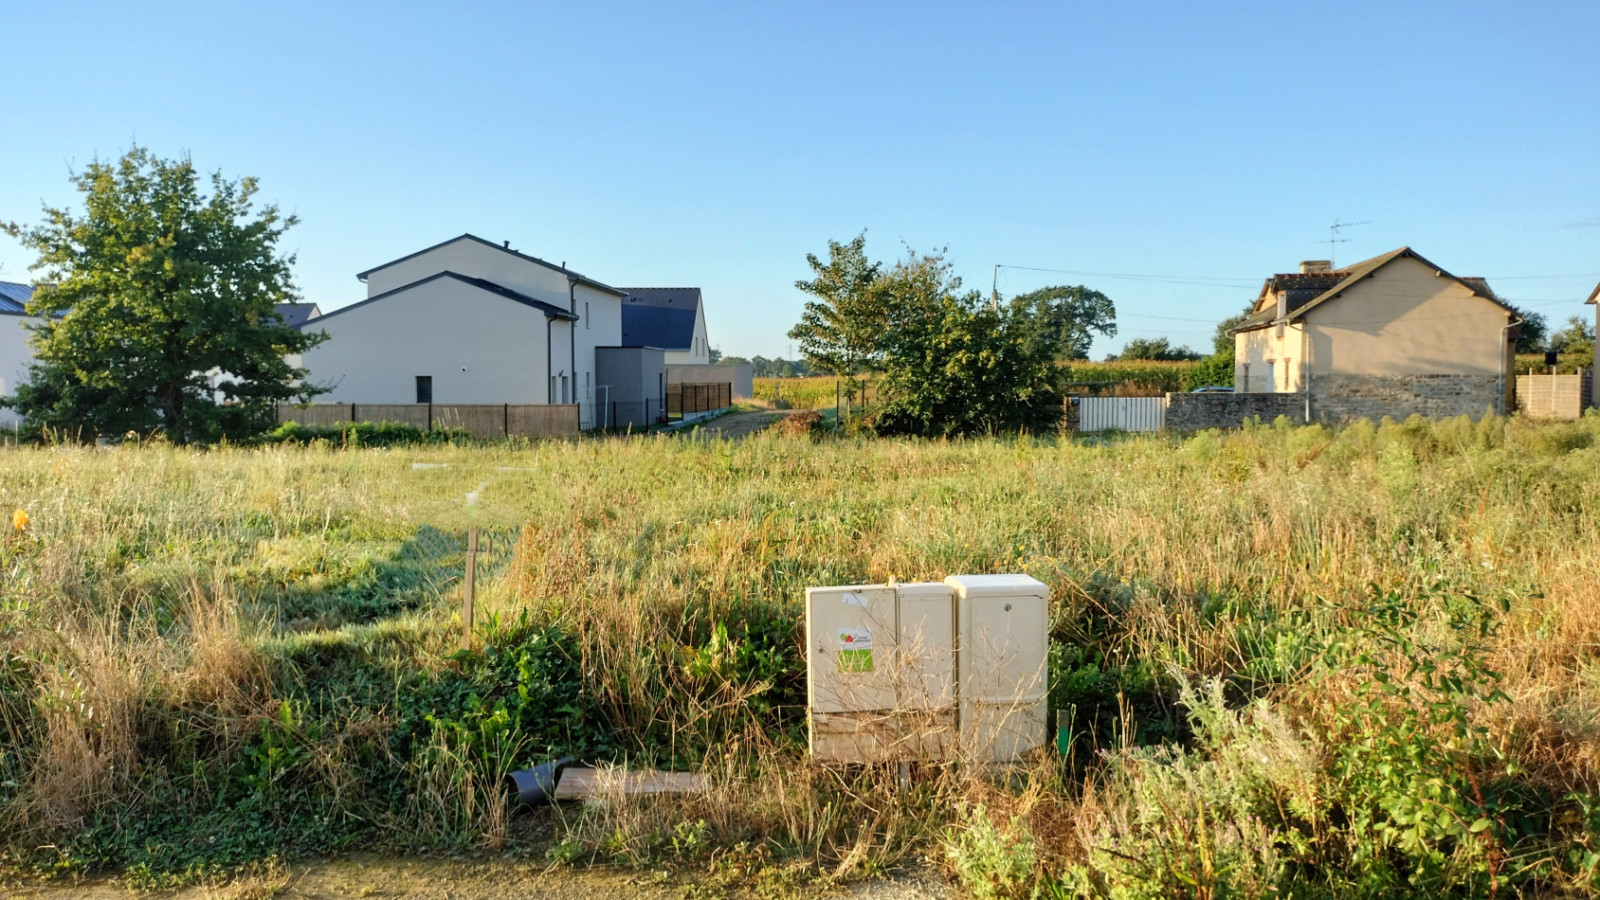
{"x": 365, "y": 434}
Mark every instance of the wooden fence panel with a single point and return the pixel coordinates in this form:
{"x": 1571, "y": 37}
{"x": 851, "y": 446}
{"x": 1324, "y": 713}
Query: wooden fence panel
{"x": 685, "y": 398}
{"x": 481, "y": 420}
{"x": 321, "y": 414}
{"x": 415, "y": 414}
{"x": 546, "y": 421}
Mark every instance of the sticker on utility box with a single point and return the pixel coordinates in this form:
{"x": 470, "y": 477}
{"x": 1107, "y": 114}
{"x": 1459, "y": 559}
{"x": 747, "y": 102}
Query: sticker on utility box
{"x": 855, "y": 650}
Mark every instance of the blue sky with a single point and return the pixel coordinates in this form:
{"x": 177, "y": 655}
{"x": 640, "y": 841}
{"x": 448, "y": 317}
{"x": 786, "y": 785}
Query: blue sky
{"x": 1198, "y": 146}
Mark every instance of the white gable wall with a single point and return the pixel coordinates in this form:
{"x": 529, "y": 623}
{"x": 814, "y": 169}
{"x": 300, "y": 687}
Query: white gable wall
{"x": 599, "y": 325}
{"x": 478, "y": 346}
{"x": 465, "y": 256}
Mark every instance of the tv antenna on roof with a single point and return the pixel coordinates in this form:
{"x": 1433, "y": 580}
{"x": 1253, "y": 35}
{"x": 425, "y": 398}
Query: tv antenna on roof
{"x": 1334, "y": 239}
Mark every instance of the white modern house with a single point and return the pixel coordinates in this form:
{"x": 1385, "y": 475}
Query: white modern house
{"x": 469, "y": 321}
{"x": 15, "y": 353}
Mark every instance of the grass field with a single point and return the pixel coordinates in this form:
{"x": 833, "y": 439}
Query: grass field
{"x": 1136, "y": 378}
{"x": 1302, "y": 662}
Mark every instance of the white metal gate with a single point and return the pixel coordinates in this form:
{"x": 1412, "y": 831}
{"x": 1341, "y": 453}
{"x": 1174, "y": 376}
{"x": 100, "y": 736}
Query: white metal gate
{"x": 1122, "y": 413}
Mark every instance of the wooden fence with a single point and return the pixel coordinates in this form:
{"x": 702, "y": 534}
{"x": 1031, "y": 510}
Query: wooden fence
{"x": 1555, "y": 396}
{"x": 693, "y": 398}
{"x": 481, "y": 420}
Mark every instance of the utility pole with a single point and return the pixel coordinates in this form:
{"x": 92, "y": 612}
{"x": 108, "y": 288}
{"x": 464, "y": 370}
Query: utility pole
{"x": 994, "y": 289}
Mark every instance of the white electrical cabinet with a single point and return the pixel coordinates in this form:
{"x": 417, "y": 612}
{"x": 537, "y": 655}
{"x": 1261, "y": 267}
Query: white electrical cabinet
{"x": 927, "y": 670}
{"x": 1003, "y": 638}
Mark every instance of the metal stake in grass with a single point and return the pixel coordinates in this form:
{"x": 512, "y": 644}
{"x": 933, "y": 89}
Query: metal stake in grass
{"x": 472, "y": 574}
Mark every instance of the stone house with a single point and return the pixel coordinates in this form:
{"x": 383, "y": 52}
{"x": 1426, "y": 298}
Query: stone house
{"x": 1392, "y": 335}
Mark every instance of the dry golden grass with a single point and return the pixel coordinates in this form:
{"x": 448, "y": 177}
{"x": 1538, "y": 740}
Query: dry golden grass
{"x": 158, "y": 594}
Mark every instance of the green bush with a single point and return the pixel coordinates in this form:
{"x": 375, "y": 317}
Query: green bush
{"x": 365, "y": 434}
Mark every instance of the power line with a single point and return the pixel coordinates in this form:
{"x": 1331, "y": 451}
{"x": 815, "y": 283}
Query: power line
{"x": 1250, "y": 281}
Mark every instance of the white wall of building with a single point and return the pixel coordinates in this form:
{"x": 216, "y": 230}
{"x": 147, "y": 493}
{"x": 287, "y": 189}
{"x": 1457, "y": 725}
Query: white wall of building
{"x": 15, "y": 355}
{"x": 479, "y": 347}
{"x": 599, "y": 325}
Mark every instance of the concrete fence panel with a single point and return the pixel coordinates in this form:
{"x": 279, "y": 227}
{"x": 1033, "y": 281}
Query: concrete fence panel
{"x": 1555, "y": 396}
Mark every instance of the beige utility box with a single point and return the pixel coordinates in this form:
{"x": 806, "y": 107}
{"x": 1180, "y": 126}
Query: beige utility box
{"x": 1003, "y": 638}
{"x": 927, "y": 670}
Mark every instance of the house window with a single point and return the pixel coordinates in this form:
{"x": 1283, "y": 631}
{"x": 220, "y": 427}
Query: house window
{"x": 1272, "y": 380}
{"x": 585, "y": 314}
{"x": 564, "y": 389}
{"x": 424, "y": 388}
{"x": 588, "y": 392}
{"x": 1244, "y": 378}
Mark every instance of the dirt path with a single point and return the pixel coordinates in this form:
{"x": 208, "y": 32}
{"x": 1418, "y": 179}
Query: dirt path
{"x": 737, "y": 425}
{"x": 463, "y": 879}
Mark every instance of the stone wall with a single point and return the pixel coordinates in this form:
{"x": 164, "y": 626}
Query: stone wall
{"x": 1216, "y": 409}
{"x": 1344, "y": 398}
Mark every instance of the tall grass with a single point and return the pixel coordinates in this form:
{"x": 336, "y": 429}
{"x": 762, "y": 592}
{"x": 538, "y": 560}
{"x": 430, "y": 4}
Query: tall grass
{"x": 207, "y": 658}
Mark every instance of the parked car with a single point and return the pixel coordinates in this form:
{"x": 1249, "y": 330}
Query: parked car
{"x": 1212, "y": 389}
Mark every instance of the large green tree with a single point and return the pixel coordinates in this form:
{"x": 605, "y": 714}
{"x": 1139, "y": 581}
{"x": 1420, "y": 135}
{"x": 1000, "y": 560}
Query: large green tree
{"x": 1064, "y": 318}
{"x": 157, "y": 307}
{"x": 952, "y": 364}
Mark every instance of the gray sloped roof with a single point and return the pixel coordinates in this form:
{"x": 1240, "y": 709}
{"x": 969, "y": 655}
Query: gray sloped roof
{"x": 575, "y": 276}
{"x": 14, "y": 297}
{"x": 660, "y": 317}
{"x": 296, "y": 314}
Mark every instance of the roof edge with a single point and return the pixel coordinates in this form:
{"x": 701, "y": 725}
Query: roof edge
{"x": 571, "y": 275}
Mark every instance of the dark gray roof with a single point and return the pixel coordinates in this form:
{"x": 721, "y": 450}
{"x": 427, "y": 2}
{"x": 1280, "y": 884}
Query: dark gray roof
{"x": 664, "y": 297}
{"x": 575, "y": 276}
{"x": 550, "y": 310}
{"x": 660, "y": 317}
{"x": 653, "y": 326}
{"x": 14, "y": 297}
{"x": 296, "y": 314}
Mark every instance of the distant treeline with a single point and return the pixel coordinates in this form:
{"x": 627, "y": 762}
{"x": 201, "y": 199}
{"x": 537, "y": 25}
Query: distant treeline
{"x": 773, "y": 368}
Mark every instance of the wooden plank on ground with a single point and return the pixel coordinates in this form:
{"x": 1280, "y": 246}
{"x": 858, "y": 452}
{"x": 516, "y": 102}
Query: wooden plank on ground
{"x": 581, "y": 784}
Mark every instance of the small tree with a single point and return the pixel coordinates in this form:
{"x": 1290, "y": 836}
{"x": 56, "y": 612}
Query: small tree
{"x": 152, "y": 294}
{"x": 1065, "y": 319}
{"x": 840, "y": 331}
{"x": 1576, "y": 337}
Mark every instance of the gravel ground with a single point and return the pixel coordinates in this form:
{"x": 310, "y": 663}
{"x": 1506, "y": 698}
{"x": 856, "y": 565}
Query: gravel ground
{"x": 737, "y": 425}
